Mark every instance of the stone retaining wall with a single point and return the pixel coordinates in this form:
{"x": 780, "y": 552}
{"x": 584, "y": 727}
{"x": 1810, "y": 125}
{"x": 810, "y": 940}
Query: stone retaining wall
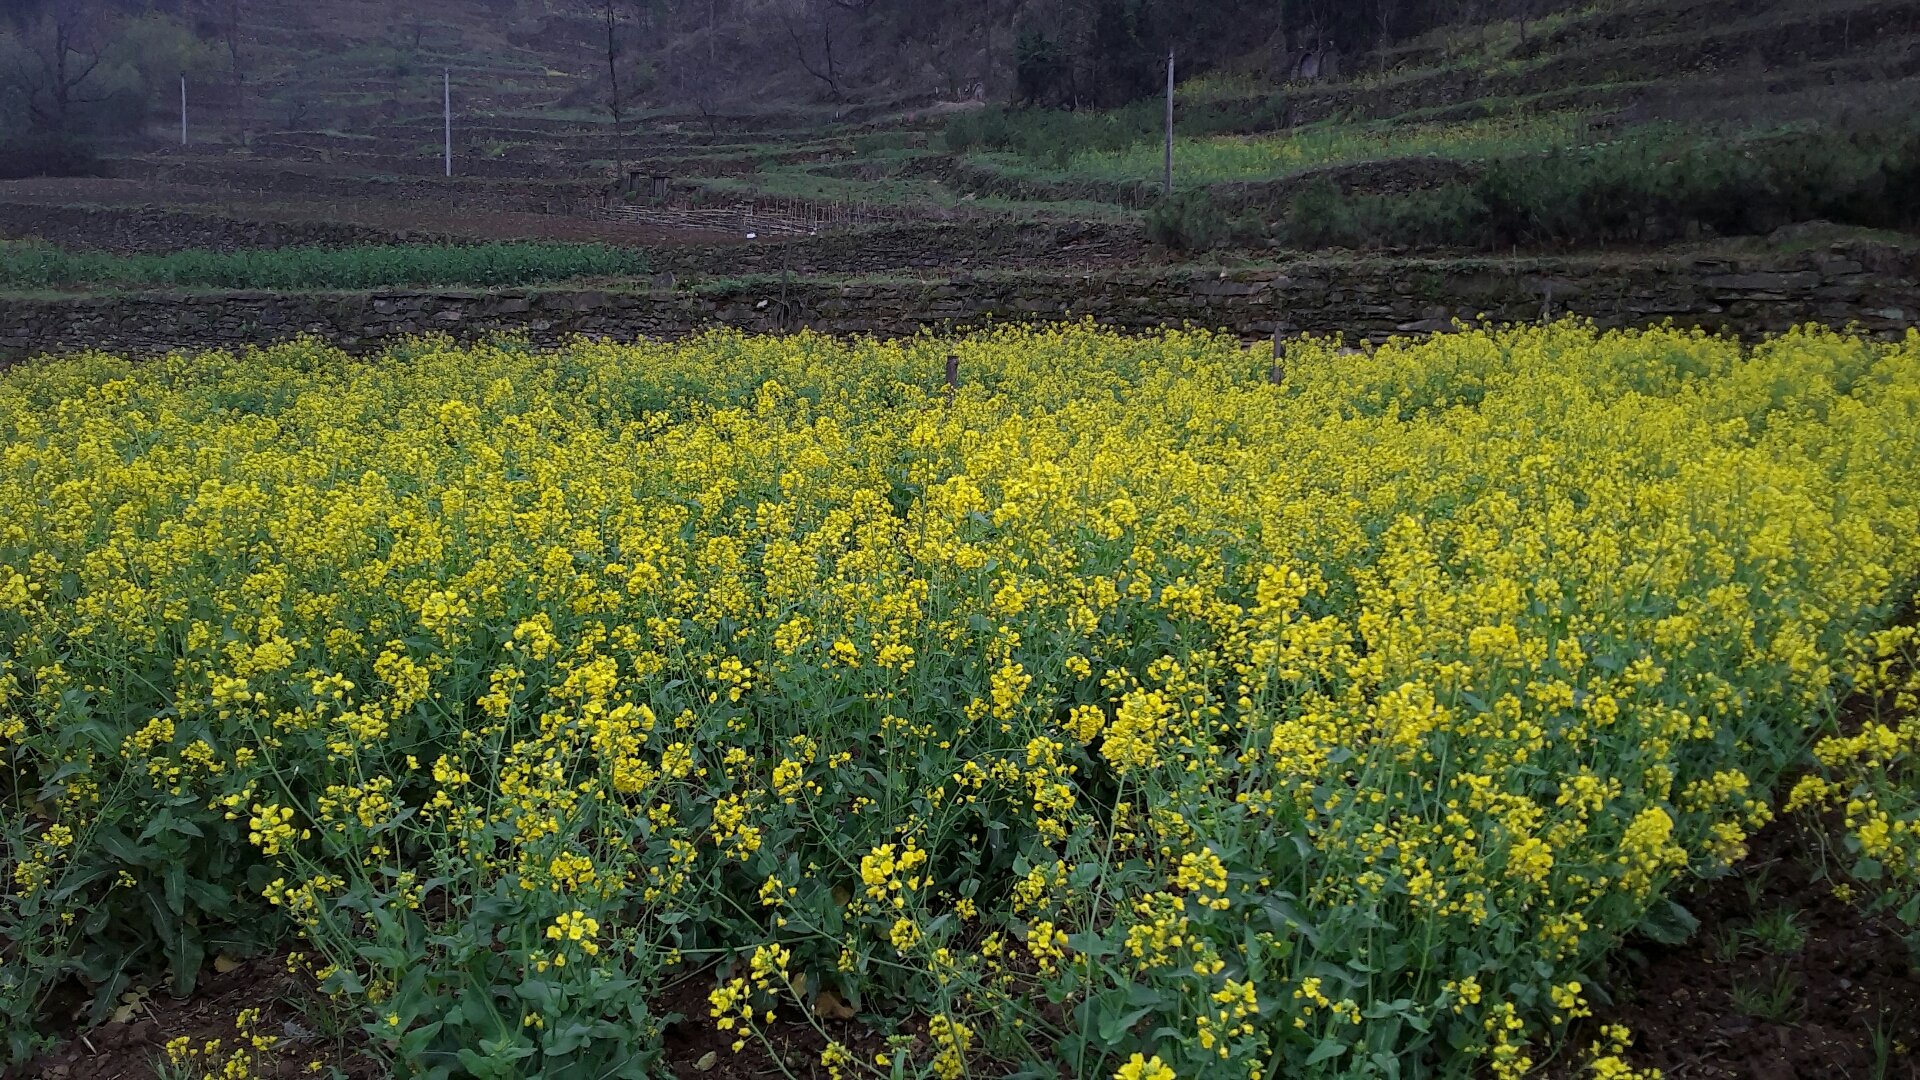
{"x": 147, "y": 230}
{"x": 914, "y": 249}
{"x": 1875, "y": 289}
{"x": 902, "y": 248}
{"x": 1389, "y": 176}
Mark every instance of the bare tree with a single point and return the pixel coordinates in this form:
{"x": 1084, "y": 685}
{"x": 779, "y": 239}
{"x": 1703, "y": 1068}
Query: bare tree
{"x": 61, "y": 50}
{"x": 613, "y": 61}
{"x": 1385, "y": 18}
{"x": 996, "y": 17}
{"x": 821, "y": 14}
{"x": 1465, "y": 16}
{"x": 226, "y": 14}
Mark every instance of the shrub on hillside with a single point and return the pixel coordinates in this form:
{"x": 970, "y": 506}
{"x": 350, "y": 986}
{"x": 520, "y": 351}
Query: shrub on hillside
{"x": 1196, "y": 222}
{"x": 1321, "y": 216}
{"x": 1638, "y": 191}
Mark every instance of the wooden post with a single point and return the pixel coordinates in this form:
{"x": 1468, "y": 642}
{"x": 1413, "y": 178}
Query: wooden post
{"x": 446, "y": 102}
{"x": 953, "y": 375}
{"x": 1277, "y": 374}
{"x": 1169, "y": 176}
{"x": 786, "y": 262}
{"x": 183, "y": 108}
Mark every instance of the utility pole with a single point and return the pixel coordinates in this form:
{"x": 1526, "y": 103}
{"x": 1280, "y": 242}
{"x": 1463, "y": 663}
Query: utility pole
{"x": 446, "y": 91}
{"x": 1169, "y": 175}
{"x": 183, "y": 108}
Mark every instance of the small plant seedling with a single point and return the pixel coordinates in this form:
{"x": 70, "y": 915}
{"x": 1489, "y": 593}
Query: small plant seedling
{"x": 1755, "y": 884}
{"x": 1778, "y": 932}
{"x": 1727, "y": 944}
{"x": 1772, "y": 1000}
{"x": 1881, "y": 1039}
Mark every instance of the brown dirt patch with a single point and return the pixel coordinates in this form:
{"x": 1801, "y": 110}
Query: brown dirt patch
{"x": 130, "y": 1049}
{"x": 1736, "y": 1002}
{"x": 695, "y": 1049}
{"x": 470, "y": 224}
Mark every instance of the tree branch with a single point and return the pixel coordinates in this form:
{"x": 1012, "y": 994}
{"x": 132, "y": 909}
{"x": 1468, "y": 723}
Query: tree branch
{"x": 800, "y": 53}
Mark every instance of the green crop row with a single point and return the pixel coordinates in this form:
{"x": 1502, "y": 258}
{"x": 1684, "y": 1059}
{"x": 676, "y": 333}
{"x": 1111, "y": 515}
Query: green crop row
{"x": 27, "y": 265}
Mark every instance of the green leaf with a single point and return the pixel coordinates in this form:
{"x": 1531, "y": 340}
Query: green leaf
{"x": 208, "y": 897}
{"x": 157, "y": 825}
{"x": 174, "y": 879}
{"x": 416, "y": 1041}
{"x": 185, "y": 954}
{"x": 1380, "y": 1009}
{"x": 1668, "y": 923}
{"x": 115, "y": 843}
{"x": 1326, "y": 1051}
{"x": 166, "y": 822}
{"x": 567, "y": 1039}
{"x": 1115, "y": 1028}
{"x": 1089, "y": 943}
{"x": 499, "y": 1062}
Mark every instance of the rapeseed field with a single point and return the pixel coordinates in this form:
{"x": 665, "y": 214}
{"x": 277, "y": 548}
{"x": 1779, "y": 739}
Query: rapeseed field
{"x": 1135, "y": 710}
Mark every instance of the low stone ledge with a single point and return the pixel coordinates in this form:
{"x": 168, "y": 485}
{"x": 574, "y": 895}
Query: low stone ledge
{"x": 1748, "y": 296}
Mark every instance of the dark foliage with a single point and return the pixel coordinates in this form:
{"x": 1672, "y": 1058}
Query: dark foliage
{"x": 45, "y": 153}
{"x": 1195, "y": 222}
{"x": 1110, "y": 52}
{"x": 1639, "y": 191}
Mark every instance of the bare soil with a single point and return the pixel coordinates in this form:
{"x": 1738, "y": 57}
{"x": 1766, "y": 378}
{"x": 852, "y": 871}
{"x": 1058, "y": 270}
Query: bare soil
{"x": 394, "y": 216}
{"x": 1732, "y": 1004}
{"x": 131, "y": 1049}
{"x": 291, "y": 1011}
